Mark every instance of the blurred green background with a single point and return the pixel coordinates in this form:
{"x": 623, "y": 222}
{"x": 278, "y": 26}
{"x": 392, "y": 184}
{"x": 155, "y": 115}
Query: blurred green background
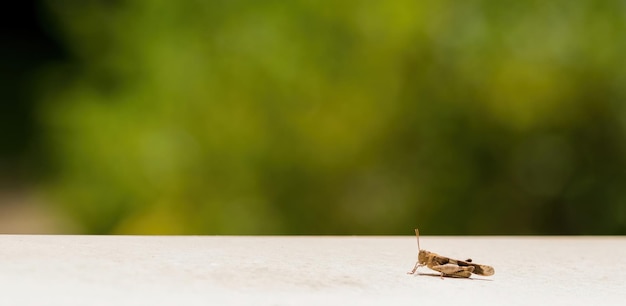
{"x": 317, "y": 117}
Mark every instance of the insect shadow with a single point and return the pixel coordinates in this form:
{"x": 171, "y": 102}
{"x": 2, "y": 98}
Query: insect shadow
{"x": 455, "y": 277}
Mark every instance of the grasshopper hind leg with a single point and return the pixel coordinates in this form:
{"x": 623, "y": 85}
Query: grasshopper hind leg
{"x": 452, "y": 270}
{"x": 459, "y": 274}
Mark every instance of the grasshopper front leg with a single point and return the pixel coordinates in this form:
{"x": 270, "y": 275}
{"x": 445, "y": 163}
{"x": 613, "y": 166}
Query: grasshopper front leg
{"x": 452, "y": 270}
{"x": 417, "y": 265}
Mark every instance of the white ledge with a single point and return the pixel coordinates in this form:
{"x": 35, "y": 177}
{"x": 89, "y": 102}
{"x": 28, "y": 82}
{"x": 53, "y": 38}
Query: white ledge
{"x": 303, "y": 270}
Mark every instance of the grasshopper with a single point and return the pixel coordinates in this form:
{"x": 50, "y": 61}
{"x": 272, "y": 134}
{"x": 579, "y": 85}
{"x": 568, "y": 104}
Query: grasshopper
{"x": 446, "y": 266}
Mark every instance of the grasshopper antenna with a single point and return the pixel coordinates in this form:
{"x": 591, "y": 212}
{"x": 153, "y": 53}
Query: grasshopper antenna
{"x": 417, "y": 235}
{"x": 417, "y": 263}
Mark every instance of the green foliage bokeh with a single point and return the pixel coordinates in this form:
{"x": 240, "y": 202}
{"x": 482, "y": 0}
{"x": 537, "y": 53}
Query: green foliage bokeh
{"x": 340, "y": 117}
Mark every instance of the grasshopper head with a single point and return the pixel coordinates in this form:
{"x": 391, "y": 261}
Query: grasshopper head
{"x": 422, "y": 257}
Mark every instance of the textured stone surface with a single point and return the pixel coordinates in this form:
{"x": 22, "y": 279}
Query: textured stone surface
{"x": 301, "y": 270}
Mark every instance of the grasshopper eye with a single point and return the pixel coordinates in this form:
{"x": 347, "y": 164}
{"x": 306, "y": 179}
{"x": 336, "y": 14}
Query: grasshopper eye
{"x": 469, "y": 260}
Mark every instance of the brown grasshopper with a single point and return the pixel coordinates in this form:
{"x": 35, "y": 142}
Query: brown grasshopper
{"x": 446, "y": 266}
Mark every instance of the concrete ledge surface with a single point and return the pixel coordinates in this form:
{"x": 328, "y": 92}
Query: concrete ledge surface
{"x": 306, "y": 270}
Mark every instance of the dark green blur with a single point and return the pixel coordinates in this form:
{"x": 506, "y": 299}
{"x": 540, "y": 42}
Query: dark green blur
{"x": 338, "y": 117}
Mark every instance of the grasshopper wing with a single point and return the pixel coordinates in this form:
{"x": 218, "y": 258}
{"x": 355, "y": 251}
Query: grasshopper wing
{"x": 478, "y": 269}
